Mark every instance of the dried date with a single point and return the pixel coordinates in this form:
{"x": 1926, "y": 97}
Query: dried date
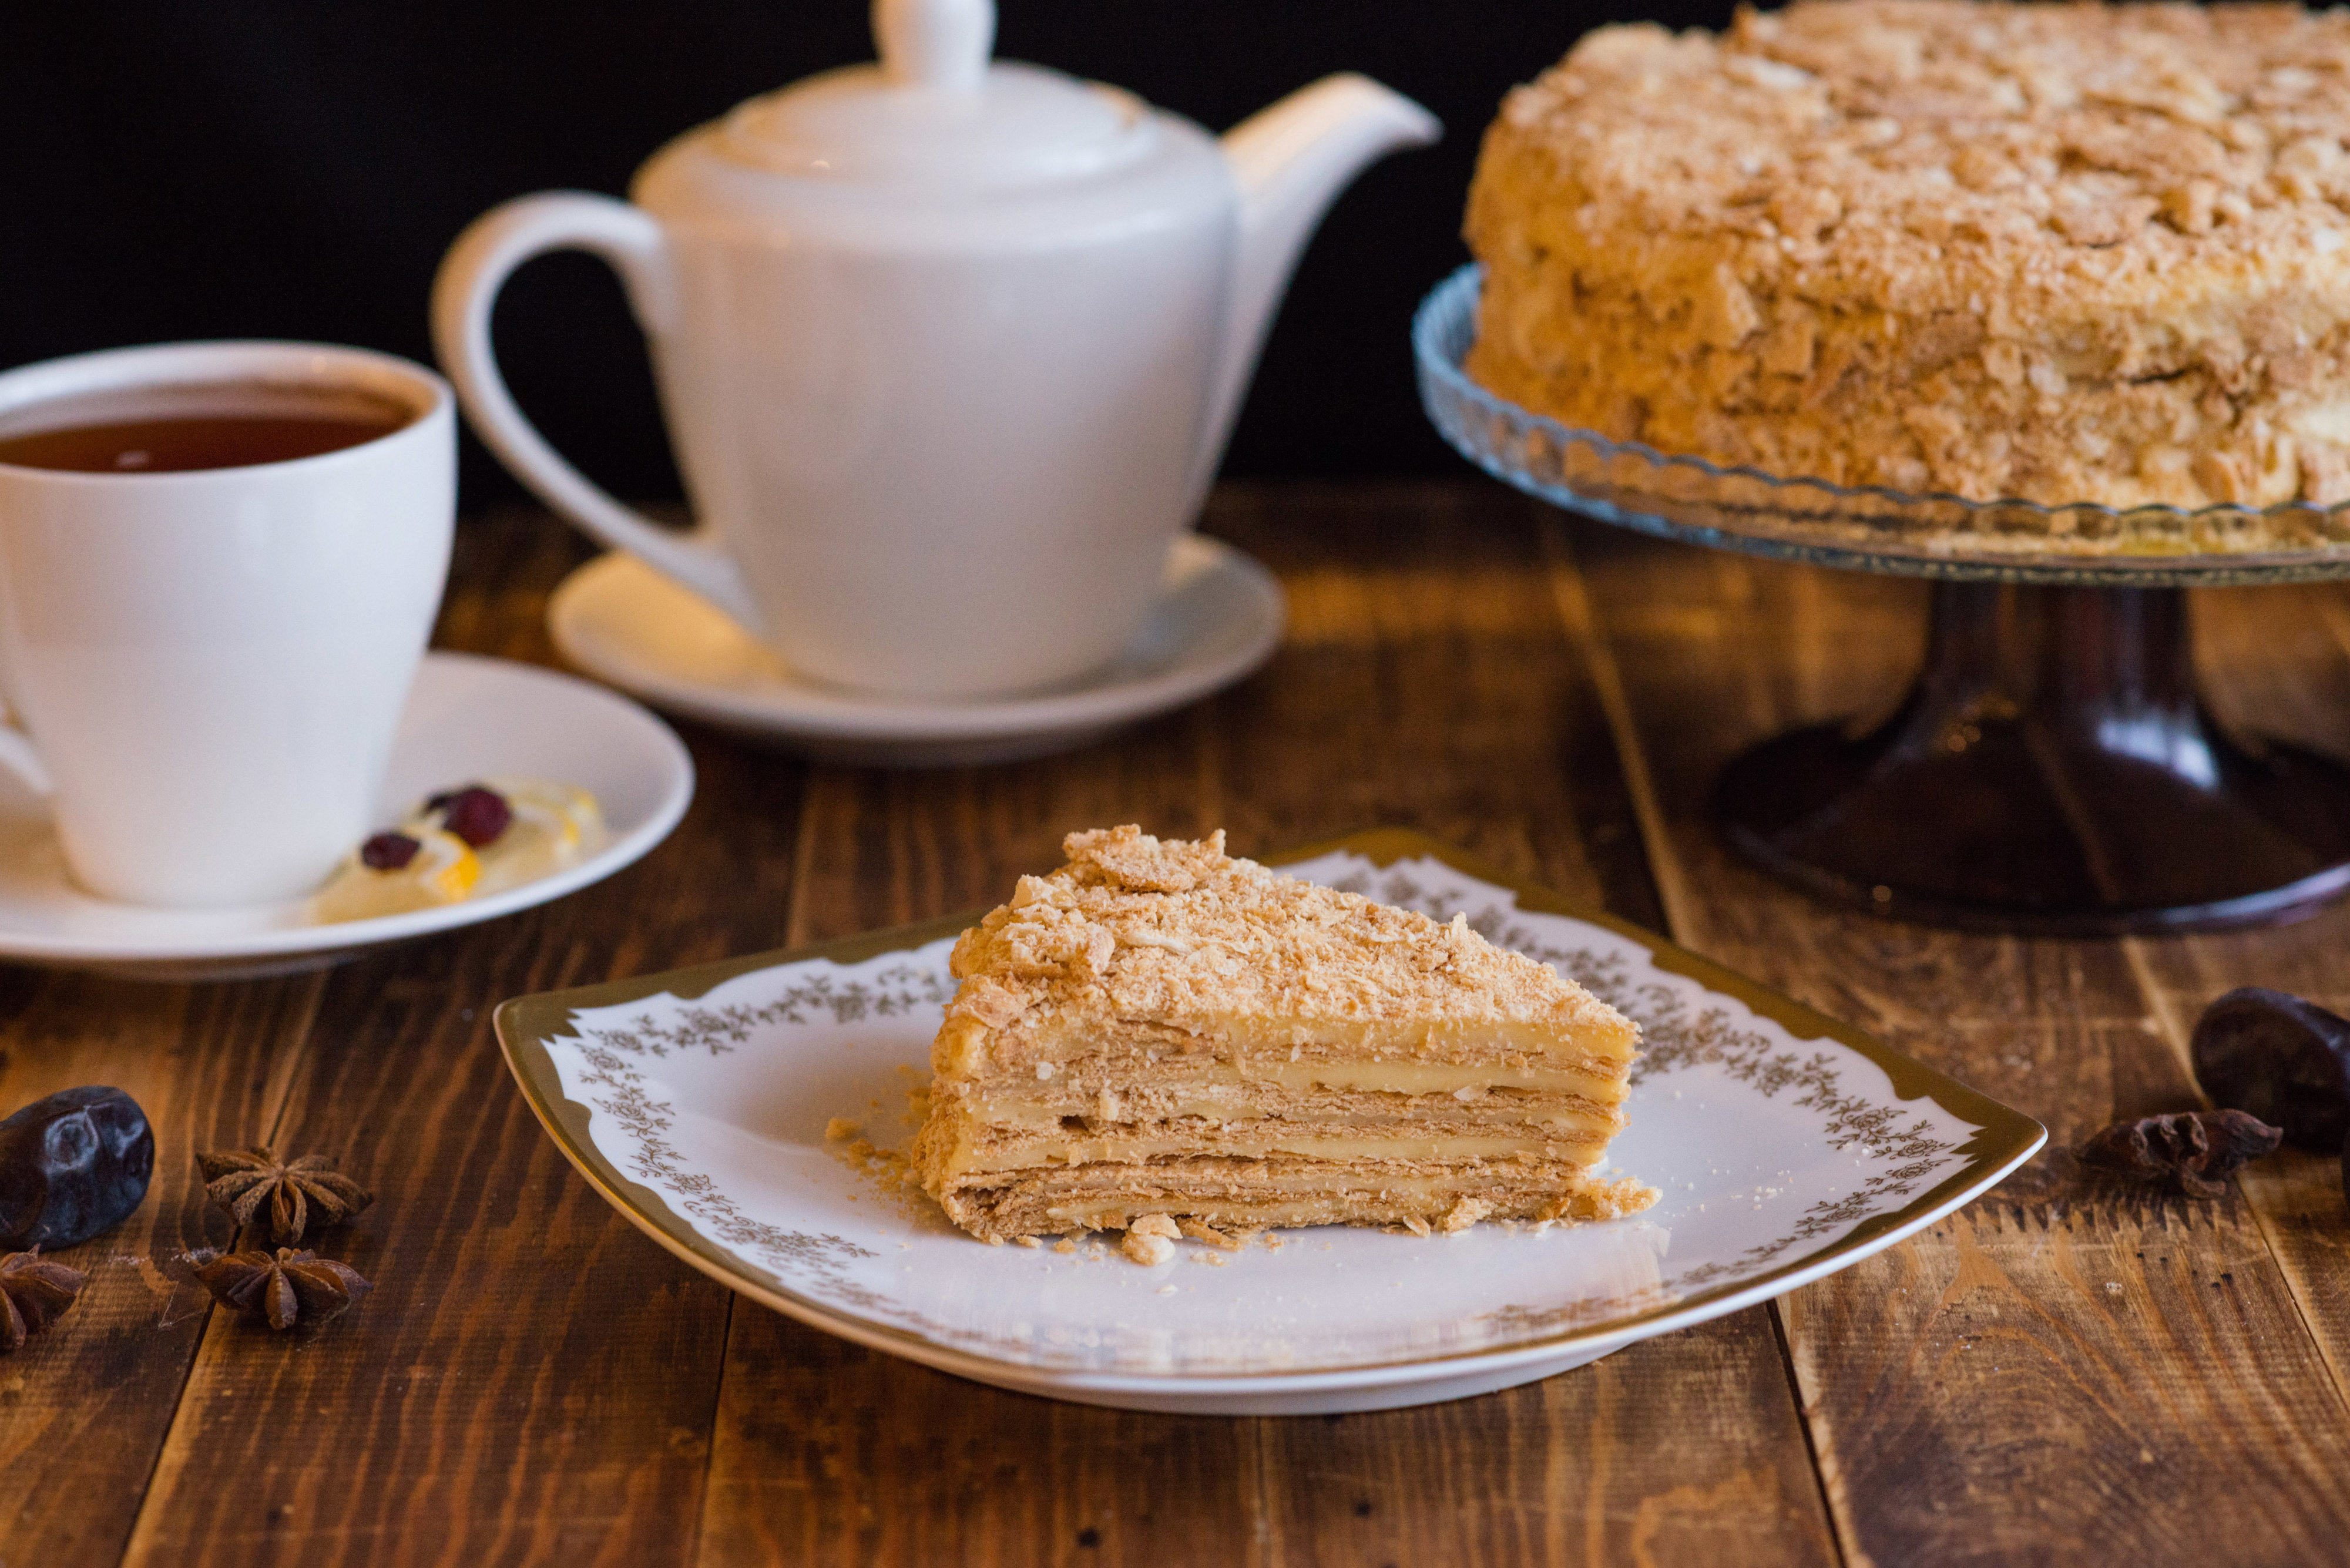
{"x": 2280, "y": 1058}
{"x": 72, "y": 1166}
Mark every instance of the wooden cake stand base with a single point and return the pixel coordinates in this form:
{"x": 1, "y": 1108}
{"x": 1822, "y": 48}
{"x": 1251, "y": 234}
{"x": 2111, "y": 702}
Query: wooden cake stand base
{"x": 2052, "y": 772}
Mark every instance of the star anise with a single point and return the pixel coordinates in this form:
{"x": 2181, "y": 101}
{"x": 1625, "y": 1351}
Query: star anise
{"x": 298, "y": 1192}
{"x": 32, "y": 1293}
{"x": 285, "y": 1289}
{"x": 2199, "y": 1149}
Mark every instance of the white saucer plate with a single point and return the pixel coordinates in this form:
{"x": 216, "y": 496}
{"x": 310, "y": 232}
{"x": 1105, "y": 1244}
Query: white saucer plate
{"x": 467, "y": 717}
{"x": 1220, "y": 617}
{"x": 1786, "y": 1147}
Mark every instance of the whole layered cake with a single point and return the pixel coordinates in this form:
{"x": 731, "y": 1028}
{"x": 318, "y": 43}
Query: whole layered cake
{"x": 2059, "y": 253}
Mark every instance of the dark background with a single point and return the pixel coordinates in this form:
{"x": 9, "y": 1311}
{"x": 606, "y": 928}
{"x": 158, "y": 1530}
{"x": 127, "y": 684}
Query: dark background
{"x": 294, "y": 169}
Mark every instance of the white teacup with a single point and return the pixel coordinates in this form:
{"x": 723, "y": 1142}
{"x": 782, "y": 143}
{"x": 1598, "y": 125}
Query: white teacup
{"x": 206, "y": 666}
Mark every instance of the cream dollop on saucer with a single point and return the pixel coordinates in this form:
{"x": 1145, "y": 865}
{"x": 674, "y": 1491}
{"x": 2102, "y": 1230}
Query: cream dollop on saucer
{"x": 466, "y": 718}
{"x": 550, "y": 826}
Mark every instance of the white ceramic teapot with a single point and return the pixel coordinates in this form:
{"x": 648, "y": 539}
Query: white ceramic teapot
{"x": 948, "y": 349}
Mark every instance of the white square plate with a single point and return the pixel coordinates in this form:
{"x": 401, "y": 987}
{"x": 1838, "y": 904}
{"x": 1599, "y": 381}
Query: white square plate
{"x": 1786, "y": 1147}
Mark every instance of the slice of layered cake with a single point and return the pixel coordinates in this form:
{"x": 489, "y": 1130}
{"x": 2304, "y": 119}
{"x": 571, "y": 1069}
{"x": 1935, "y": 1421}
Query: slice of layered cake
{"x": 1158, "y": 1033}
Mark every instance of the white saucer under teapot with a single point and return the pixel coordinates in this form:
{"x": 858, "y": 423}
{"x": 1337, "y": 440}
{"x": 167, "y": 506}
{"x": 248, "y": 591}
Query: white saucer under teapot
{"x": 948, "y": 349}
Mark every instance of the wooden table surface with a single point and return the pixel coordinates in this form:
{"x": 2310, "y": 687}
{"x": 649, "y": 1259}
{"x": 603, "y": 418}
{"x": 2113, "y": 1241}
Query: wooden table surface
{"x": 2063, "y": 1372}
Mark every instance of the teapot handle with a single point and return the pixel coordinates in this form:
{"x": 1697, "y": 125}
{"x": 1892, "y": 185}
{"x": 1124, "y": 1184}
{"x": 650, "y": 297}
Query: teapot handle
{"x": 476, "y": 267}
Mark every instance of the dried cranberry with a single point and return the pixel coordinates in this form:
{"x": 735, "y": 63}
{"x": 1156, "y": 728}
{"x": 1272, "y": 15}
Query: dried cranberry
{"x": 388, "y": 851}
{"x": 475, "y": 813}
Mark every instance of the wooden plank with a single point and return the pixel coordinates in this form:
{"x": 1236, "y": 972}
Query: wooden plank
{"x": 826, "y": 1453}
{"x": 1429, "y": 683}
{"x": 531, "y": 1379}
{"x": 2061, "y": 1372}
{"x": 1680, "y": 1449}
{"x": 506, "y": 566}
{"x": 1426, "y": 682}
{"x": 829, "y": 1453}
{"x": 85, "y": 1407}
{"x": 84, "y": 1411}
{"x": 2277, "y": 660}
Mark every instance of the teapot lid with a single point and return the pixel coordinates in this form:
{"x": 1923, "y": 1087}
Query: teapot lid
{"x": 935, "y": 112}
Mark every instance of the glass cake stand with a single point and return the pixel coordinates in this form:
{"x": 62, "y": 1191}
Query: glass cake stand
{"x": 2053, "y": 770}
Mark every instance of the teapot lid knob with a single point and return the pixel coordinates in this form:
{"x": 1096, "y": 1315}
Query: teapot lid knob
{"x": 936, "y": 116}
{"x": 943, "y": 45}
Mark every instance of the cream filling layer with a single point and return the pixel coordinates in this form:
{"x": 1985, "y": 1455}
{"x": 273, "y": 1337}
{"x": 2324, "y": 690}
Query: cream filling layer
{"x": 965, "y": 1045}
{"x": 1305, "y": 1207}
{"x": 1039, "y": 1113}
{"x": 1251, "y": 1035}
{"x": 1253, "y": 1142}
{"x": 1605, "y": 1088}
{"x": 1430, "y": 1077}
{"x": 1120, "y": 1182}
{"x": 1079, "y": 1199}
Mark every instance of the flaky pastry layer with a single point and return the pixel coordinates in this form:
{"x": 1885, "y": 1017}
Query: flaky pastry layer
{"x": 1247, "y": 1194}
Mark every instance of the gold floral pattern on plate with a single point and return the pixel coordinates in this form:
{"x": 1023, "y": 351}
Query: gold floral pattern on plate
{"x": 1786, "y": 1145}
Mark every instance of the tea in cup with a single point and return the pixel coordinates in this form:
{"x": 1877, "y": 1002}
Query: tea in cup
{"x": 219, "y": 567}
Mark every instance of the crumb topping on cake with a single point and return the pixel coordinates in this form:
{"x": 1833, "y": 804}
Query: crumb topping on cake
{"x": 1933, "y": 151}
{"x": 2066, "y": 251}
{"x": 1179, "y": 933}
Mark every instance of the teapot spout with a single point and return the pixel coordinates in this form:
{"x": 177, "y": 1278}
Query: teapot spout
{"x": 1291, "y": 160}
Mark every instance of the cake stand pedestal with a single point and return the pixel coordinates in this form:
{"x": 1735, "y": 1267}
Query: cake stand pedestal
{"x": 2053, "y": 770}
